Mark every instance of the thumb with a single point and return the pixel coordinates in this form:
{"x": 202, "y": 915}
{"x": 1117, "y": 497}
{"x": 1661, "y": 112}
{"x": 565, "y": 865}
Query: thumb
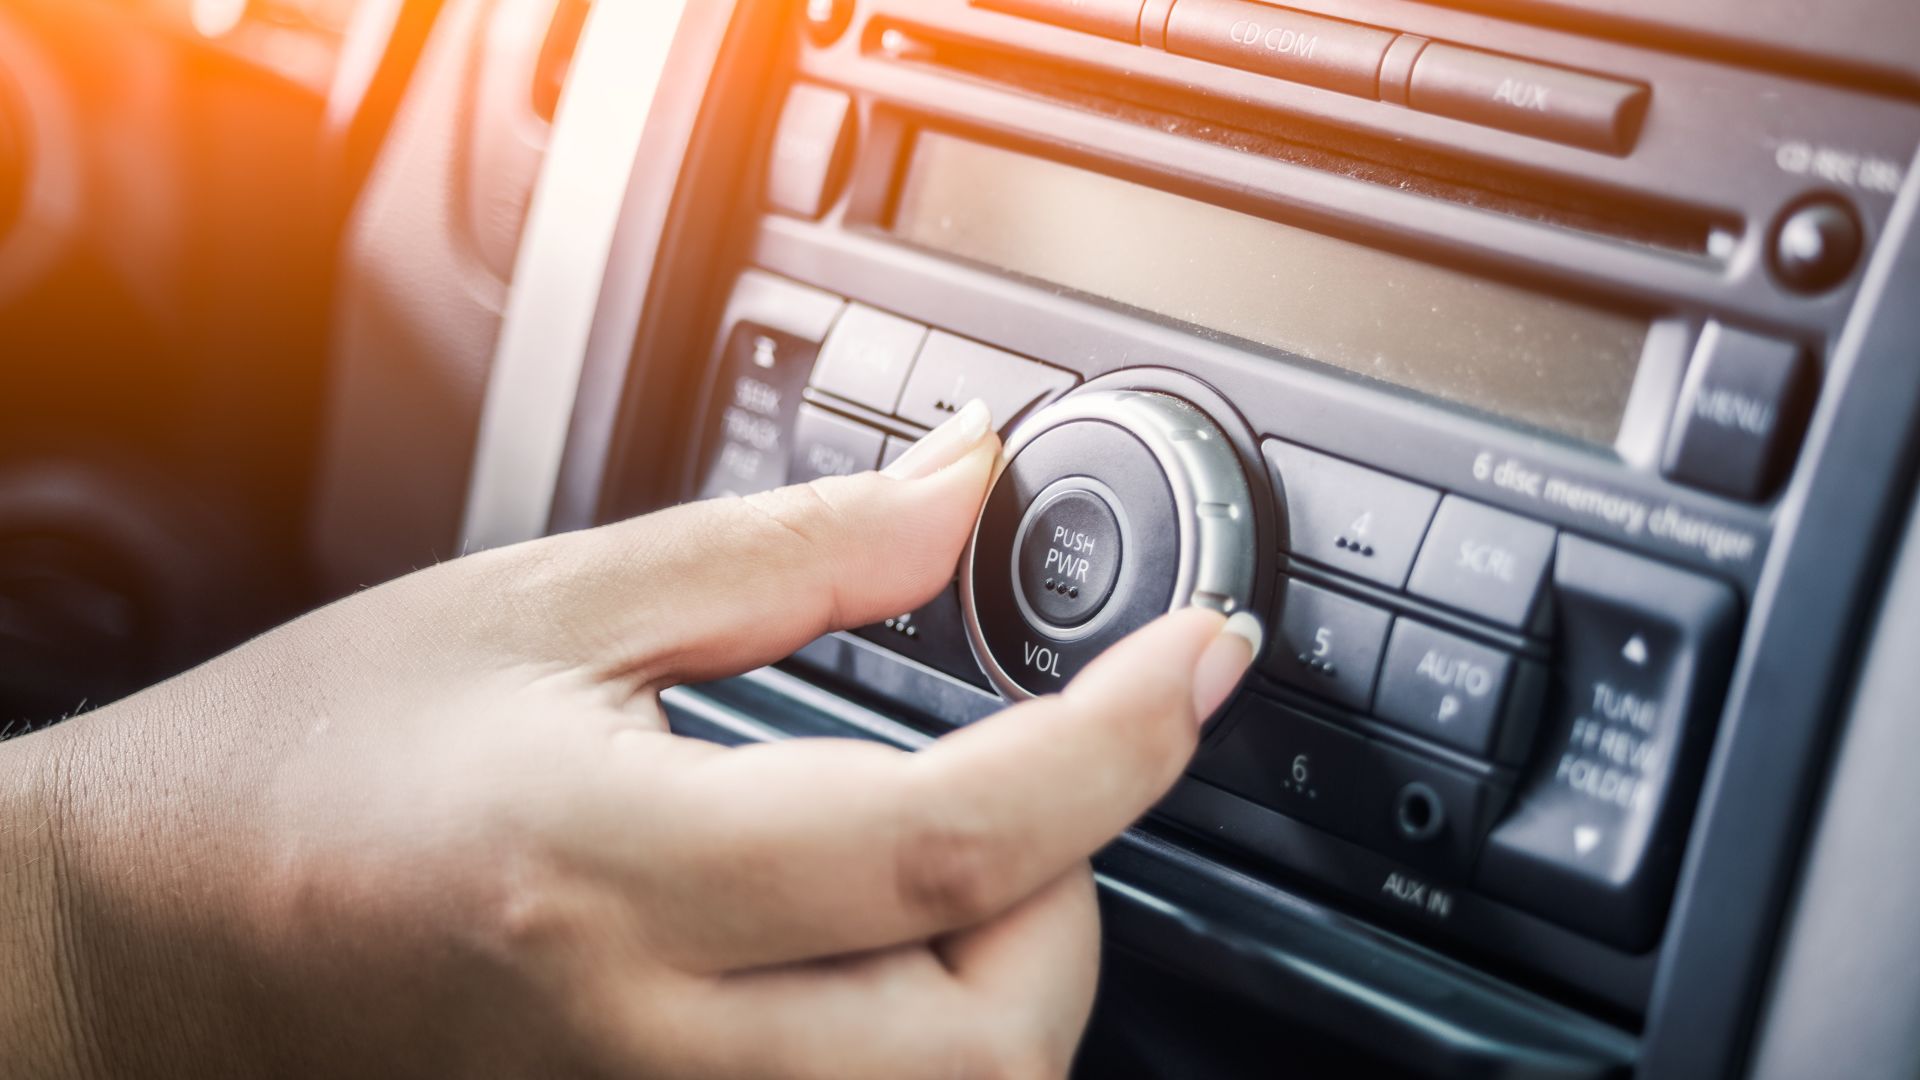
{"x": 714, "y": 588}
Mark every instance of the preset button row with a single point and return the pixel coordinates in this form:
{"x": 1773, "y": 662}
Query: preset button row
{"x": 900, "y": 367}
{"x": 1437, "y": 685}
{"x": 762, "y": 435}
{"x": 1447, "y": 549}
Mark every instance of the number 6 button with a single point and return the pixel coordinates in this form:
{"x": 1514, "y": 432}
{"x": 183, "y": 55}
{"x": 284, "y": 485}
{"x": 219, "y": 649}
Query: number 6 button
{"x": 1285, "y": 761}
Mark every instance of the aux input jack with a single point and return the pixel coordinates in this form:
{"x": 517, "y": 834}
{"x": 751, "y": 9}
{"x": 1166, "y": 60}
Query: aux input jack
{"x": 1418, "y": 813}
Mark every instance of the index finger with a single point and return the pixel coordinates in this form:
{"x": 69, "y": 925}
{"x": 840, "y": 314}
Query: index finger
{"x": 799, "y": 850}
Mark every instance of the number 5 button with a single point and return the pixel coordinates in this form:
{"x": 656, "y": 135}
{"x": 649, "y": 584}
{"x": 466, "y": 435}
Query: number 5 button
{"x": 1328, "y": 645}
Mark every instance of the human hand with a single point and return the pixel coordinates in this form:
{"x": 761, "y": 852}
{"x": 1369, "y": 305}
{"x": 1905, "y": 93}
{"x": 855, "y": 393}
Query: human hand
{"x": 440, "y": 828}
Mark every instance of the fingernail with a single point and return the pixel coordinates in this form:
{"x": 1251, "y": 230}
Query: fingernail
{"x": 1224, "y": 662}
{"x": 945, "y": 444}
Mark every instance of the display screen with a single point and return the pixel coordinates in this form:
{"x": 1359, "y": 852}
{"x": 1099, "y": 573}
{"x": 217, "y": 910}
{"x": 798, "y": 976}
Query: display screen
{"x": 1536, "y": 359}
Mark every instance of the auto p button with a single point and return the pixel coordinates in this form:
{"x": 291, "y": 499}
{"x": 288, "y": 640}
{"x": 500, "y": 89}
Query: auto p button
{"x": 1068, "y": 553}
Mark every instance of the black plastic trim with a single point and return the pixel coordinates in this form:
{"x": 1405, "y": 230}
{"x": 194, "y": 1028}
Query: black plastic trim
{"x": 1366, "y": 987}
{"x": 1843, "y": 511}
{"x": 1829, "y": 530}
{"x": 633, "y": 382}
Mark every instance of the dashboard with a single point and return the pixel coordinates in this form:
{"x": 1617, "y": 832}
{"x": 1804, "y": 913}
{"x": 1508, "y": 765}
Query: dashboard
{"x": 1544, "y": 375}
{"x": 1537, "y": 375}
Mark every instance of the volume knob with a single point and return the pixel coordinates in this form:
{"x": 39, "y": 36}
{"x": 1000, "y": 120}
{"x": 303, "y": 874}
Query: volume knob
{"x": 1114, "y": 507}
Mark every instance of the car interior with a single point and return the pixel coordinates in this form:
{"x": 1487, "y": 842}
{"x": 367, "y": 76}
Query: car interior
{"x": 1544, "y": 375}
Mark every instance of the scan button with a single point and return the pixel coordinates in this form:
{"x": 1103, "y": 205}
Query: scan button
{"x": 826, "y": 444}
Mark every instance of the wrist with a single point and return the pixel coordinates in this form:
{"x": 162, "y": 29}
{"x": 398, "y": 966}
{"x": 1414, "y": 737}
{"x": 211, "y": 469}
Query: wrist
{"x": 41, "y": 1032}
{"x": 145, "y": 895}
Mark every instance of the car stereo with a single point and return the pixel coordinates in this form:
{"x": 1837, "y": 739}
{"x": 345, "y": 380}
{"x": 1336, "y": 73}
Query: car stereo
{"x": 1483, "y": 361}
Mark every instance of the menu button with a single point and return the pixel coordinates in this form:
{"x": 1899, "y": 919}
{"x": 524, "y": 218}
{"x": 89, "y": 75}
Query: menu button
{"x": 1740, "y": 413}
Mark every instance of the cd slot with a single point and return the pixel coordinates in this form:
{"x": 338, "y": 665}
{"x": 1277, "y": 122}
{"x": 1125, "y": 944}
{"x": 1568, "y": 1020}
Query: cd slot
{"x": 1199, "y": 112}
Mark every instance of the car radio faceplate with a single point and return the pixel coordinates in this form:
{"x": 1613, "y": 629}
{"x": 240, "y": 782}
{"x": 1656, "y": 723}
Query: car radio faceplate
{"x": 1532, "y": 685}
{"x": 1501, "y": 711}
{"x": 1501, "y": 622}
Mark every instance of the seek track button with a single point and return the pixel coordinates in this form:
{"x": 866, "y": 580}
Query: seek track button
{"x": 1594, "y": 836}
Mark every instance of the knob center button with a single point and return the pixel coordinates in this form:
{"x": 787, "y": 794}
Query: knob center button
{"x": 1068, "y": 555}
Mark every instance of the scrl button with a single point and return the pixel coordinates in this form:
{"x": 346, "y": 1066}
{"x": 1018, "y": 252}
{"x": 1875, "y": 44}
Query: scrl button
{"x": 1484, "y": 561}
